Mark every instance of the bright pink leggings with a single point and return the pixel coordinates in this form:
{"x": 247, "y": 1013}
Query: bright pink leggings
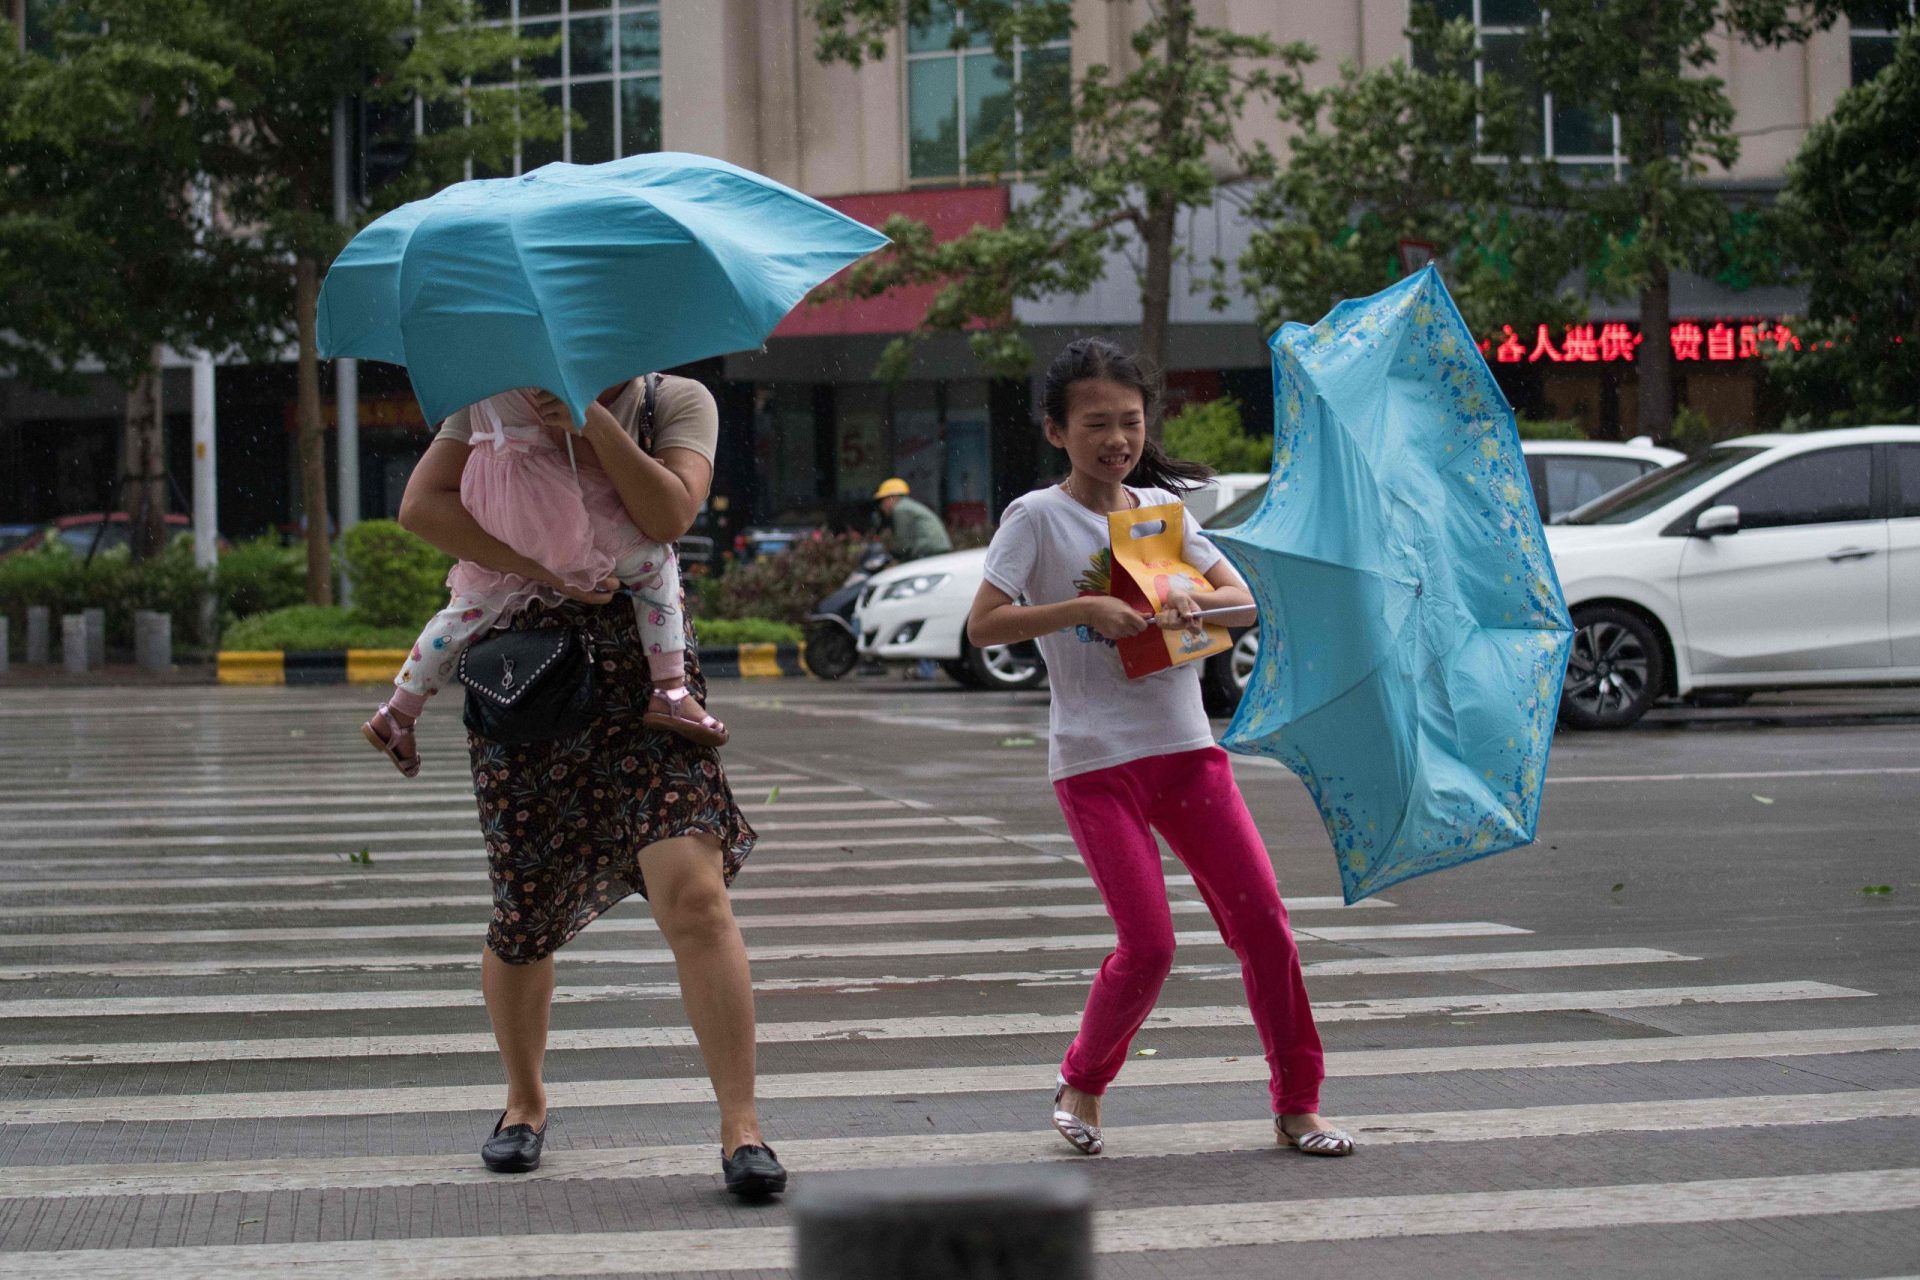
{"x": 1191, "y": 799}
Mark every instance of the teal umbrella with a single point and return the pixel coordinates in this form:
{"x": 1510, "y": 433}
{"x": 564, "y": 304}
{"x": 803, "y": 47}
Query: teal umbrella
{"x": 575, "y": 277}
{"x": 1413, "y": 638}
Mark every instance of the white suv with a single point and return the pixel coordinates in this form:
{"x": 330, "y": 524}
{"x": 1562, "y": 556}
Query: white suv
{"x": 1767, "y": 562}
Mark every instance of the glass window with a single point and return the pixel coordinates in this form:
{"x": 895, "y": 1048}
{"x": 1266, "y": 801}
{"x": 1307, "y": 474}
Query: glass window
{"x": 1827, "y": 487}
{"x": 1656, "y": 489}
{"x": 639, "y": 115}
{"x": 546, "y": 66}
{"x": 1874, "y": 27}
{"x": 493, "y": 10}
{"x": 1572, "y": 132}
{"x": 538, "y": 8}
{"x": 965, "y": 107}
{"x": 593, "y": 132}
{"x": 1906, "y": 497}
{"x": 590, "y": 43}
{"x": 933, "y": 118}
{"x": 640, "y": 41}
{"x": 1574, "y": 482}
{"x": 535, "y": 152}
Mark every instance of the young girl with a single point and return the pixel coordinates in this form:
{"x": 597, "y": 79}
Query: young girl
{"x": 521, "y": 485}
{"x": 1128, "y": 757}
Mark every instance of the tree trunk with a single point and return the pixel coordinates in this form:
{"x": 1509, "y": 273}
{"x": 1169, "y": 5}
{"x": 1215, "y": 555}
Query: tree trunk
{"x": 313, "y": 443}
{"x": 1655, "y": 414}
{"x": 143, "y": 469}
{"x": 1156, "y": 283}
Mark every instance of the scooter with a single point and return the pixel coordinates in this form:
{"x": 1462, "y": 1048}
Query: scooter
{"x": 833, "y": 647}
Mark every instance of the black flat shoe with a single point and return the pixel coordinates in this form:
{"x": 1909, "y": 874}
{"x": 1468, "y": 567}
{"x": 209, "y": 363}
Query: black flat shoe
{"x": 753, "y": 1171}
{"x": 514, "y": 1149}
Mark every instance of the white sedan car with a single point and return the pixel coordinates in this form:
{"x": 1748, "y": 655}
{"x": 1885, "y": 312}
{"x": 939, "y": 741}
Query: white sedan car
{"x": 1773, "y": 561}
{"x": 919, "y": 610}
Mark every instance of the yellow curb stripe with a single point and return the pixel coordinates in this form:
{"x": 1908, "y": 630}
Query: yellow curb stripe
{"x": 374, "y": 666}
{"x": 760, "y": 660}
{"x": 252, "y": 666}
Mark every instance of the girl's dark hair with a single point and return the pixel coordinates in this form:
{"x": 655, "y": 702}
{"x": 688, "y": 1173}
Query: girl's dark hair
{"x": 1090, "y": 358}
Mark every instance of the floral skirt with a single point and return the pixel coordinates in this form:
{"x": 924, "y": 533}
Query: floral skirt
{"x": 565, "y": 819}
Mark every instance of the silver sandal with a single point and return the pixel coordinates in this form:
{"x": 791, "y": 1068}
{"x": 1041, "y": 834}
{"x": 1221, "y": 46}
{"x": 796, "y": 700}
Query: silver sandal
{"x": 1318, "y": 1142}
{"x": 1085, "y": 1137}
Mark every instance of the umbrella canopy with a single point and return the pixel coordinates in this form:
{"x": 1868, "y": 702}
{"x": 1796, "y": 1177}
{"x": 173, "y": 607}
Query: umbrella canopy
{"x": 575, "y": 277}
{"x": 1413, "y": 637}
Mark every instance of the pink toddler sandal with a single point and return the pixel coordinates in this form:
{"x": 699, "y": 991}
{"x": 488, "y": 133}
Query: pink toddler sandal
{"x": 669, "y": 709}
{"x": 396, "y": 744}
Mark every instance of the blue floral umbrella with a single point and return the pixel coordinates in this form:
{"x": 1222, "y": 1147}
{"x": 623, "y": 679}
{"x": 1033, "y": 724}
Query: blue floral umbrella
{"x": 1413, "y": 637}
{"x": 575, "y": 277}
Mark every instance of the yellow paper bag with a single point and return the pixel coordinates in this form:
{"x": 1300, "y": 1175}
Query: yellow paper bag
{"x": 1148, "y": 543}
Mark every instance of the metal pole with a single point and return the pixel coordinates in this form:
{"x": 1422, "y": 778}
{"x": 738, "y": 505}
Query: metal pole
{"x": 206, "y": 493}
{"x": 346, "y": 372}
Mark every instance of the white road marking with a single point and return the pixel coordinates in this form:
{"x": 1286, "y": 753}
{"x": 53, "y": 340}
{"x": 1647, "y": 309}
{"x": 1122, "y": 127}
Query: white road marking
{"x": 844, "y": 1030}
{"x": 227, "y": 799}
{"x": 71, "y": 821}
{"x": 1137, "y": 1229}
{"x": 469, "y": 996}
{"x": 481, "y": 902}
{"x": 942, "y": 1150}
{"x": 937, "y": 1081}
{"x": 1740, "y": 776}
{"x": 850, "y": 922}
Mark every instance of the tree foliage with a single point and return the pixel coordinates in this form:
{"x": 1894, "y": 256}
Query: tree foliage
{"x": 1407, "y": 152}
{"x": 1214, "y": 432}
{"x": 1851, "y": 209}
{"x": 1126, "y": 150}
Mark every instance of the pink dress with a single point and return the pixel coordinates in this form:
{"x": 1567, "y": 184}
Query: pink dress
{"x": 519, "y": 486}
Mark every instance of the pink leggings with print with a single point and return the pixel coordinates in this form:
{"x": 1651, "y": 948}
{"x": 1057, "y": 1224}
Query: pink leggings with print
{"x": 1191, "y": 799}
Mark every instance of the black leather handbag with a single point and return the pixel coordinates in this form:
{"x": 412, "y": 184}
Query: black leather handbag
{"x": 528, "y": 686}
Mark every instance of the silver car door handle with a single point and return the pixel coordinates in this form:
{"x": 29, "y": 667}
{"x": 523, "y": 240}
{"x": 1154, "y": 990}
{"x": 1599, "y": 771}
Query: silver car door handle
{"x": 1849, "y": 553}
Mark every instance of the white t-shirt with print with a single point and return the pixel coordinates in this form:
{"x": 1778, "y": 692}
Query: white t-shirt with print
{"x": 1050, "y": 549}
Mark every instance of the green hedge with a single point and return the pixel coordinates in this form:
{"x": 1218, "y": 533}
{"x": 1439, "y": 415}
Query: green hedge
{"x": 316, "y": 626}
{"x": 398, "y": 580}
{"x": 784, "y": 587}
{"x": 746, "y": 631}
{"x": 67, "y": 583}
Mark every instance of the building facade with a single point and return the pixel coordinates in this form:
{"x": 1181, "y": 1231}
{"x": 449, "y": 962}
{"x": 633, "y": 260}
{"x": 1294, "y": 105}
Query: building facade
{"x": 808, "y": 431}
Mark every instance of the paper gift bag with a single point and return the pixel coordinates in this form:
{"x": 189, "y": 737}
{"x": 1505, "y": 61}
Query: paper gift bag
{"x": 1147, "y": 547}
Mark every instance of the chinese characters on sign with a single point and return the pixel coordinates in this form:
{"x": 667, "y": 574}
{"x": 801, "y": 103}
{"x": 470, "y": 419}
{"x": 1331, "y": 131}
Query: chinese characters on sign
{"x": 1616, "y": 340}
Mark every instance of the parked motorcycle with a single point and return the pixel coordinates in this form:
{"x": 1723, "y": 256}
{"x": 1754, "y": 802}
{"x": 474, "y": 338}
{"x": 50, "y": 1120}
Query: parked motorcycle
{"x": 833, "y": 647}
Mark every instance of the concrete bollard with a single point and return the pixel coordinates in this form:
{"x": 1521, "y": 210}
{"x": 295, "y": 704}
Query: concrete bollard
{"x": 96, "y": 637}
{"x": 963, "y": 1224}
{"x": 153, "y": 641}
{"x": 39, "y": 635}
{"x": 6, "y": 642}
{"x": 73, "y": 643}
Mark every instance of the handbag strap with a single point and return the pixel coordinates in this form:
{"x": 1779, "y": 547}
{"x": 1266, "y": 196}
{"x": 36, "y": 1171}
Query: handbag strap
{"x": 650, "y": 387}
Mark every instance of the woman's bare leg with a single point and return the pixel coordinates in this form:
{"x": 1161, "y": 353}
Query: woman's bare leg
{"x": 688, "y": 892}
{"x": 519, "y": 1000}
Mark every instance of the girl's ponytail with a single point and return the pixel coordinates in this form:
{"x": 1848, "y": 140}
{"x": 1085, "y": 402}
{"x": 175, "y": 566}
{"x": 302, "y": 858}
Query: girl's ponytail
{"x": 1090, "y": 358}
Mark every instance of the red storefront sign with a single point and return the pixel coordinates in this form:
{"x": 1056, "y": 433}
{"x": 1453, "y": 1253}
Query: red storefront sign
{"x": 949, "y": 213}
{"x": 1724, "y": 341}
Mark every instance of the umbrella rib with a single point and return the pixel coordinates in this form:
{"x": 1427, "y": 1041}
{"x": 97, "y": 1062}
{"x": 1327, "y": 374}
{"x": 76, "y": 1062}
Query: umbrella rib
{"x": 539, "y": 303}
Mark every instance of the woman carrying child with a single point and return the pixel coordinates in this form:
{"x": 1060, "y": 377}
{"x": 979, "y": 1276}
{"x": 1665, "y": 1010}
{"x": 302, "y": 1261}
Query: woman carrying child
{"x": 1131, "y": 757}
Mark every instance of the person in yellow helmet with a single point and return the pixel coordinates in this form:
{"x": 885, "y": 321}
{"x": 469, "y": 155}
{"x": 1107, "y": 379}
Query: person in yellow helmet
{"x": 917, "y": 531}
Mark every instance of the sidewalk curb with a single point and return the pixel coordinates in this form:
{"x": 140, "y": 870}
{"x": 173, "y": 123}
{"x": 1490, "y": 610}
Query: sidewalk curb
{"x": 376, "y": 666}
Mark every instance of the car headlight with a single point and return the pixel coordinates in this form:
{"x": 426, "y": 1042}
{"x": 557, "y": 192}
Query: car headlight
{"x": 907, "y": 588}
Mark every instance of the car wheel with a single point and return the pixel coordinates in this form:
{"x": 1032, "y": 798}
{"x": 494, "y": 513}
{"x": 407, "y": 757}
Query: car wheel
{"x": 1224, "y": 680}
{"x": 1616, "y": 670}
{"x": 960, "y": 672}
{"x": 1003, "y": 666}
{"x": 830, "y": 652}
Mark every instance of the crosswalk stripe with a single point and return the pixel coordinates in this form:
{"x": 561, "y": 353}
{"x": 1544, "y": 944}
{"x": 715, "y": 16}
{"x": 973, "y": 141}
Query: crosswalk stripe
{"x": 906, "y": 889}
{"x": 388, "y": 835}
{"x": 227, "y": 799}
{"x": 1137, "y": 1229}
{"x": 970, "y": 1026}
{"x": 848, "y": 921}
{"x": 469, "y": 996}
{"x": 943, "y": 1150}
{"x": 472, "y": 854}
{"x": 441, "y": 813}
{"x": 370, "y": 879}
{"x": 934, "y": 1081}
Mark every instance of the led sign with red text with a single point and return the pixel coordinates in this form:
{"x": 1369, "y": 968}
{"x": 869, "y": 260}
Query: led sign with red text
{"x": 1722, "y": 341}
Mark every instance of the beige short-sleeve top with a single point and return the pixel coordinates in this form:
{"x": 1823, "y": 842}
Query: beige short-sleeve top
{"x": 685, "y": 416}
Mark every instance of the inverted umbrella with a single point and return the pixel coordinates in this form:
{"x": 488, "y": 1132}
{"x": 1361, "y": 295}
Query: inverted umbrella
{"x": 575, "y": 277}
{"x": 1413, "y": 637}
